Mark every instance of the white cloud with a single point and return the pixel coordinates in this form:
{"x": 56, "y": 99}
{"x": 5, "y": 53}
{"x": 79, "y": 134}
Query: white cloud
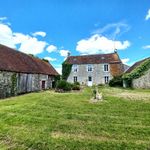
{"x": 3, "y": 18}
{"x": 113, "y": 29}
{"x": 51, "y": 48}
{"x": 18, "y": 38}
{"x": 146, "y": 47}
{"x": 64, "y": 53}
{"x": 97, "y": 44}
{"x": 125, "y": 60}
{"x": 50, "y": 59}
{"x": 148, "y": 15}
{"x": 39, "y": 33}
{"x": 59, "y": 70}
{"x": 32, "y": 46}
{"x": 28, "y": 44}
{"x": 6, "y": 36}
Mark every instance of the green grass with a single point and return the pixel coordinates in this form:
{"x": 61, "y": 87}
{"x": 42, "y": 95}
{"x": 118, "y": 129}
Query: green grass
{"x": 68, "y": 121}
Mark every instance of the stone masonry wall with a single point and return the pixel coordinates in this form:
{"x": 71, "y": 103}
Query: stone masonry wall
{"x": 143, "y": 81}
{"x": 24, "y": 83}
{"x": 5, "y": 84}
{"x": 97, "y": 74}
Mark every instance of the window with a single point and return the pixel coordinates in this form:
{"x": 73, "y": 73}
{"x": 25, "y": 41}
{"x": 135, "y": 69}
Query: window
{"x": 90, "y": 68}
{"x": 106, "y": 67}
{"x": 75, "y": 79}
{"x": 89, "y": 78}
{"x": 75, "y": 68}
{"x": 106, "y": 78}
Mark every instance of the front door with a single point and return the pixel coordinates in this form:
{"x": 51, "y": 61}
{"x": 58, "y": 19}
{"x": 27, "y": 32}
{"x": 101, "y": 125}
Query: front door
{"x": 90, "y": 82}
{"x": 43, "y": 85}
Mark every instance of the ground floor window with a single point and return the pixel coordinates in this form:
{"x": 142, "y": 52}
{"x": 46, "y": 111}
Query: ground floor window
{"x": 75, "y": 79}
{"x": 89, "y": 78}
{"x": 106, "y": 78}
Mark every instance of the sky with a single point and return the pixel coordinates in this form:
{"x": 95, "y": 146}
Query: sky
{"x": 51, "y": 28}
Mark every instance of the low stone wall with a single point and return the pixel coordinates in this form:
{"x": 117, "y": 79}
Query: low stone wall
{"x": 12, "y": 83}
{"x": 143, "y": 81}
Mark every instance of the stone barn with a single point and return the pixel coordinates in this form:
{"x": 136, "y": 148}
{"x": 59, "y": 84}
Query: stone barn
{"x": 138, "y": 75}
{"x": 22, "y": 73}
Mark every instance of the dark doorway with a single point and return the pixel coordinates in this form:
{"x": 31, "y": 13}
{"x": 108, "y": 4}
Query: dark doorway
{"x": 43, "y": 85}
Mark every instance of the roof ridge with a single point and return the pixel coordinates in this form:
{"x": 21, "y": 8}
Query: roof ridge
{"x": 136, "y": 64}
{"x": 93, "y": 54}
{"x": 17, "y": 51}
{"x": 21, "y": 62}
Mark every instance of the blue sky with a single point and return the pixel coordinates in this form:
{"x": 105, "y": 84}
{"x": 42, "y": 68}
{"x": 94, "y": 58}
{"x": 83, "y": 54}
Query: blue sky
{"x": 51, "y": 28}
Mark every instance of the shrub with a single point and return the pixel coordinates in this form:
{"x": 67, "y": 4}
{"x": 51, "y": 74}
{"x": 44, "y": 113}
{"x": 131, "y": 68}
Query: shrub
{"x": 116, "y": 81}
{"x": 77, "y": 83}
{"x": 63, "y": 85}
{"x": 99, "y": 85}
{"x": 56, "y": 79}
{"x": 94, "y": 93}
{"x": 75, "y": 87}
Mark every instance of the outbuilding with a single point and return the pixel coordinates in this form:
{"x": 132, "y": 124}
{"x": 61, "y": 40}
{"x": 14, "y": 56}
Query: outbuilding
{"x": 138, "y": 75}
{"x": 22, "y": 73}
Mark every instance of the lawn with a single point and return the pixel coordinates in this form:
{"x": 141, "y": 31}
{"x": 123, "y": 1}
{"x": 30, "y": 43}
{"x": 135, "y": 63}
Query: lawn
{"x": 68, "y": 121}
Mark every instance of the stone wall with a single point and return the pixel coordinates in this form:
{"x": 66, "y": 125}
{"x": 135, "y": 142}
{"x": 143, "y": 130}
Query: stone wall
{"x": 116, "y": 69}
{"x": 143, "y": 81}
{"x": 97, "y": 74}
{"x": 24, "y": 83}
{"x": 5, "y": 84}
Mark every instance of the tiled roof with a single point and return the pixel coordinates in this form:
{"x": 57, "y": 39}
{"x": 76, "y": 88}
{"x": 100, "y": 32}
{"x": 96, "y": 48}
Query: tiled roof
{"x": 94, "y": 59}
{"x": 12, "y": 60}
{"x": 136, "y": 65}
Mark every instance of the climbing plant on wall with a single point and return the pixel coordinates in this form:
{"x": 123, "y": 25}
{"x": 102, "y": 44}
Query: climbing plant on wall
{"x": 14, "y": 84}
{"x": 137, "y": 72}
{"x": 66, "y": 69}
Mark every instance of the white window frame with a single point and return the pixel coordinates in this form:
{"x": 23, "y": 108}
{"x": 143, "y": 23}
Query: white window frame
{"x": 106, "y": 67}
{"x": 75, "y": 68}
{"x": 106, "y": 79}
{"x": 75, "y": 79}
{"x": 89, "y": 68}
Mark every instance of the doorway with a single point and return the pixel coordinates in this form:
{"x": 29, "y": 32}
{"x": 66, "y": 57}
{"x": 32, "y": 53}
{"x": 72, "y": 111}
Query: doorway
{"x": 43, "y": 84}
{"x": 90, "y": 82}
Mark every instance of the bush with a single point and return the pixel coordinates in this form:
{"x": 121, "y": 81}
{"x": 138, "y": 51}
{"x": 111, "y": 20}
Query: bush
{"x": 77, "y": 83}
{"x": 63, "y": 85}
{"x": 94, "y": 93}
{"x": 99, "y": 85}
{"x": 116, "y": 81}
{"x": 75, "y": 87}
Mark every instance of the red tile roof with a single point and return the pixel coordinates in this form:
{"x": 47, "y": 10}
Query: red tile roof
{"x": 12, "y": 60}
{"x": 94, "y": 59}
{"x": 136, "y": 65}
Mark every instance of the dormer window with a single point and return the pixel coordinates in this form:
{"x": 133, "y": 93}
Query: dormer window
{"x": 75, "y": 68}
{"x": 89, "y": 68}
{"x": 106, "y": 67}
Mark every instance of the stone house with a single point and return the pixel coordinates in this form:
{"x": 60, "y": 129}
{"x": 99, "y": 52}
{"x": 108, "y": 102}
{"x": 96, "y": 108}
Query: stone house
{"x": 22, "y": 73}
{"x": 143, "y": 80}
{"x": 94, "y": 69}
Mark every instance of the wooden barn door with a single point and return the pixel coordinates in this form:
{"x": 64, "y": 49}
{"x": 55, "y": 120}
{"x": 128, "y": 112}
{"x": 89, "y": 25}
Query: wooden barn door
{"x": 43, "y": 84}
